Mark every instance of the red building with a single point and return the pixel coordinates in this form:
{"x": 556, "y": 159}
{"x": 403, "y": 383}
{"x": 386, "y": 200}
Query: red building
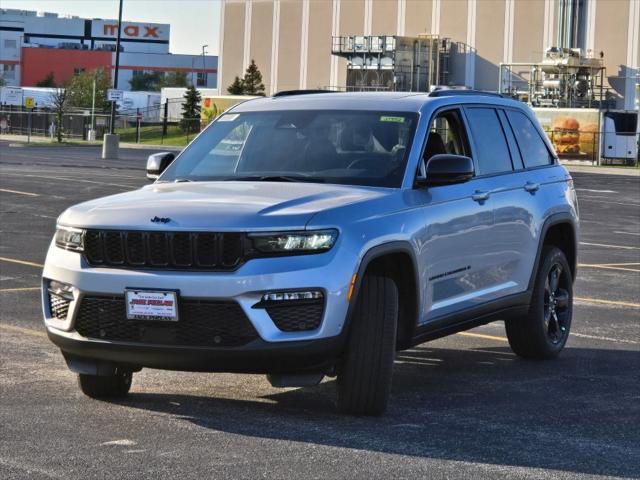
{"x": 37, "y": 63}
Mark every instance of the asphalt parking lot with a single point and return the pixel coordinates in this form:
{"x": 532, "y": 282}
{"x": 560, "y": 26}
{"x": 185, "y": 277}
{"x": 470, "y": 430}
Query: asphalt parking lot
{"x": 462, "y": 407}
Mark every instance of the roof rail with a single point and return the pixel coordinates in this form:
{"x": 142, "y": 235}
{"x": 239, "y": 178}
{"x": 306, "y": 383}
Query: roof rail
{"x": 452, "y": 92}
{"x": 290, "y": 93}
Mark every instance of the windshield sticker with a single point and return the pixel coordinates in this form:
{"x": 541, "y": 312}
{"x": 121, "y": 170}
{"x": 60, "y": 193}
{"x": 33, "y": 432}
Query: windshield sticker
{"x": 386, "y": 118}
{"x": 229, "y": 117}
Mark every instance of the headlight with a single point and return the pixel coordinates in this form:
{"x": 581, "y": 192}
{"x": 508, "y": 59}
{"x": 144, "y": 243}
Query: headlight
{"x": 295, "y": 242}
{"x": 69, "y": 238}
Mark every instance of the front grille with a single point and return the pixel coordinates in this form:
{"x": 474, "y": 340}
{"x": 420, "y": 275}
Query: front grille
{"x": 200, "y": 324}
{"x": 296, "y": 317}
{"x": 59, "y": 306}
{"x": 172, "y": 250}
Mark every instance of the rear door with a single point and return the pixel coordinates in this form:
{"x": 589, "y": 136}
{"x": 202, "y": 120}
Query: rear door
{"x": 532, "y": 188}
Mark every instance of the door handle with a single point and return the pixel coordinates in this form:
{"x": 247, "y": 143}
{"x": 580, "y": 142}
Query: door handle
{"x": 479, "y": 196}
{"x": 531, "y": 187}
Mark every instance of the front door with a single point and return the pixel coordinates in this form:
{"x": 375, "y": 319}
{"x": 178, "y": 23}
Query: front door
{"x": 459, "y": 221}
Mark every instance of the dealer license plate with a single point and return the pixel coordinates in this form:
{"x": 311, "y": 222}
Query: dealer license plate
{"x": 152, "y": 305}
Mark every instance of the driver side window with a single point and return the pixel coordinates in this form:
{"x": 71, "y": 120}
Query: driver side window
{"x": 446, "y": 135}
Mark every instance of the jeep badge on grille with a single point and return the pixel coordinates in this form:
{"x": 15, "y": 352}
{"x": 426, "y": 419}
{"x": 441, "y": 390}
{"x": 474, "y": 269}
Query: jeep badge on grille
{"x": 157, "y": 219}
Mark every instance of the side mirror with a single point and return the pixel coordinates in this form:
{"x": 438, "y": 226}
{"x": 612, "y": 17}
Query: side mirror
{"x": 447, "y": 169}
{"x": 157, "y": 163}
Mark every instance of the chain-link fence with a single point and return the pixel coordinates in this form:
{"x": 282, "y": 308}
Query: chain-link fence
{"x": 163, "y": 125}
{"x": 158, "y": 124}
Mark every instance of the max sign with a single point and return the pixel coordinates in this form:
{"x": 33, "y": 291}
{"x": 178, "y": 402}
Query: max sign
{"x": 138, "y": 31}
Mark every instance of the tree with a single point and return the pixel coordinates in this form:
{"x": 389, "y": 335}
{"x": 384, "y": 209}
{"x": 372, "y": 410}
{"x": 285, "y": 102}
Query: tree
{"x": 173, "y": 79}
{"x": 47, "y": 81}
{"x": 146, "y": 82}
{"x": 191, "y": 110}
{"x": 60, "y": 102}
{"x": 81, "y": 90}
{"x": 250, "y": 84}
{"x": 236, "y": 88}
{"x": 252, "y": 81}
{"x": 2, "y": 81}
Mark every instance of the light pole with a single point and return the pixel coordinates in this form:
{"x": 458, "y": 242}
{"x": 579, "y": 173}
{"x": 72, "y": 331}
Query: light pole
{"x": 111, "y": 143}
{"x": 204, "y": 68}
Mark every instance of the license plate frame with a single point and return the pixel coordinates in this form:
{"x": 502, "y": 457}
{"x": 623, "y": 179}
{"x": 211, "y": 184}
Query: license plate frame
{"x": 153, "y": 312}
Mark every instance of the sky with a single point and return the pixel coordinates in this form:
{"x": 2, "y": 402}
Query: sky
{"x": 193, "y": 22}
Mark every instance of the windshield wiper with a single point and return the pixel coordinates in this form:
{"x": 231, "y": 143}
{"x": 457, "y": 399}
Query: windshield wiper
{"x": 276, "y": 178}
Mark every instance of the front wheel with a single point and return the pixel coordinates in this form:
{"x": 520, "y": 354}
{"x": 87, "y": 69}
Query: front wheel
{"x": 110, "y": 386}
{"x": 544, "y": 331}
{"x": 364, "y": 377}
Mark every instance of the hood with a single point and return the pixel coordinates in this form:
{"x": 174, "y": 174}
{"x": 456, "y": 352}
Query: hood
{"x": 219, "y": 206}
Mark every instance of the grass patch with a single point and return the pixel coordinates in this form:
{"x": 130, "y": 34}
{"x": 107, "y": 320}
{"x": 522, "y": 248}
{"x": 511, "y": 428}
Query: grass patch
{"x": 152, "y": 135}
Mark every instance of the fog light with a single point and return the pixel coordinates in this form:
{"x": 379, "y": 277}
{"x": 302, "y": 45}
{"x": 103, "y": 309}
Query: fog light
{"x": 295, "y": 296}
{"x": 60, "y": 289}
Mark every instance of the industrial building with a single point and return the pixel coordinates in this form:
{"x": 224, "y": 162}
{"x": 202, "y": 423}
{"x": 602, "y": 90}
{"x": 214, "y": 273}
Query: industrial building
{"x": 559, "y": 53}
{"x": 33, "y": 44}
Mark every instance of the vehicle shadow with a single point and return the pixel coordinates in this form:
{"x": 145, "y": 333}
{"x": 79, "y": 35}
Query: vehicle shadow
{"x": 579, "y": 413}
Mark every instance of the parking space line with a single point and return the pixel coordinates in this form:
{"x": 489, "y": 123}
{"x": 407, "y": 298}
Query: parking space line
{"x": 606, "y": 339}
{"x": 607, "y": 267}
{"x": 18, "y": 192}
{"x": 21, "y": 262}
{"x": 619, "y": 264}
{"x": 91, "y": 181}
{"x": 482, "y": 335}
{"x": 624, "y": 247}
{"x": 585, "y": 198}
{"x": 49, "y": 177}
{"x": 26, "y": 331}
{"x": 19, "y": 289}
{"x": 625, "y": 233}
{"x": 607, "y": 302}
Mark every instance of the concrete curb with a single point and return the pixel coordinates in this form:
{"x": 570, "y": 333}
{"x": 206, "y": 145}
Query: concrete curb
{"x": 626, "y": 171}
{"x": 21, "y": 140}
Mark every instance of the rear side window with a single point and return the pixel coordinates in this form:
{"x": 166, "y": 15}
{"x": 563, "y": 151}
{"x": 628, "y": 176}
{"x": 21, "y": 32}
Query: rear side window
{"x": 532, "y": 148}
{"x": 492, "y": 152}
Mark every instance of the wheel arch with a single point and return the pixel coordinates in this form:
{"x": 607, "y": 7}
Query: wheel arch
{"x": 397, "y": 259}
{"x": 561, "y": 230}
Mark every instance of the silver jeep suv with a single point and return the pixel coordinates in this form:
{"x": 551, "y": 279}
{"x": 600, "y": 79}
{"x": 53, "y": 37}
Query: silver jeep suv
{"x": 313, "y": 234}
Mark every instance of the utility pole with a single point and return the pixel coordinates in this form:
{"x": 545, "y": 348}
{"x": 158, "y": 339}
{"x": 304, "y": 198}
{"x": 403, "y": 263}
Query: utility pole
{"x": 111, "y": 142}
{"x": 92, "y": 133}
{"x": 115, "y": 75}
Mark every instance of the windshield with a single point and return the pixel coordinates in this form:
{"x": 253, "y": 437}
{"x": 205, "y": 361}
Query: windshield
{"x": 345, "y": 147}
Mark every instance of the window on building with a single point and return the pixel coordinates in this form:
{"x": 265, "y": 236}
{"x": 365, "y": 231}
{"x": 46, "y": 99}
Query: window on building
{"x": 12, "y": 44}
{"x": 201, "y": 81}
{"x": 138, "y": 72}
{"x": 532, "y": 148}
{"x": 9, "y": 72}
{"x": 492, "y": 153}
{"x": 78, "y": 71}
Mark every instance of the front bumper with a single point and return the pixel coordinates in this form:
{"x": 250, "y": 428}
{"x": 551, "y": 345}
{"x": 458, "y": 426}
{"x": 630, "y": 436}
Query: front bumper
{"x": 273, "y": 350}
{"x": 102, "y": 358}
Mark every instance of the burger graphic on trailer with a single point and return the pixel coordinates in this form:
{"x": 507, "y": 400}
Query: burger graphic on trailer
{"x": 566, "y": 135}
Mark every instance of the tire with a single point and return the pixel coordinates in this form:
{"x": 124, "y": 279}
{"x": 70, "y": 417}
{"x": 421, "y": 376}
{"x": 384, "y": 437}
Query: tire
{"x": 111, "y": 386}
{"x": 364, "y": 377}
{"x": 543, "y": 332}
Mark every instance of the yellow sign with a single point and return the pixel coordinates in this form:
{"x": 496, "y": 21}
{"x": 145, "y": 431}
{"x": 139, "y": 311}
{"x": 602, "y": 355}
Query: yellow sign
{"x": 29, "y": 102}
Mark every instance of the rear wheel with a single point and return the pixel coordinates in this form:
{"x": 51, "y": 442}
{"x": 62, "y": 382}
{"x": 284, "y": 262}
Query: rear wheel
{"x": 543, "y": 333}
{"x": 364, "y": 377}
{"x": 111, "y": 386}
